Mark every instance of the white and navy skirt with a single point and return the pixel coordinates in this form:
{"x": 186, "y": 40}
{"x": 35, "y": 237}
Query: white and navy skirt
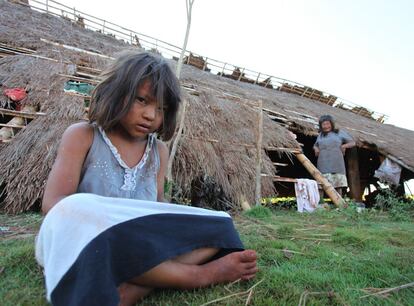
{"x": 89, "y": 244}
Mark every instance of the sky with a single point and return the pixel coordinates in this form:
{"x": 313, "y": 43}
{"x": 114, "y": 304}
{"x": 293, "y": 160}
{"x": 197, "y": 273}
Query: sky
{"x": 359, "y": 50}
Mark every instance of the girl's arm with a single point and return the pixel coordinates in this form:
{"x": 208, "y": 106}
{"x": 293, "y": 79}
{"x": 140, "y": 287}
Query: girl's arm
{"x": 65, "y": 174}
{"x": 162, "y": 173}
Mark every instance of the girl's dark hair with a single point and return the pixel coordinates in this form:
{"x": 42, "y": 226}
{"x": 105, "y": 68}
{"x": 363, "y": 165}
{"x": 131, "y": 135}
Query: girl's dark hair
{"x": 113, "y": 97}
{"x": 329, "y": 118}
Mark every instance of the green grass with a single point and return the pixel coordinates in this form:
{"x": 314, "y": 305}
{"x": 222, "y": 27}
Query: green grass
{"x": 337, "y": 251}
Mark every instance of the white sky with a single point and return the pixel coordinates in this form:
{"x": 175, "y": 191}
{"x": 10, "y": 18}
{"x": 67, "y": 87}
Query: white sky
{"x": 359, "y": 50}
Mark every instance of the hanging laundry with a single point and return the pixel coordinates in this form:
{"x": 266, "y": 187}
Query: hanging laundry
{"x": 15, "y": 94}
{"x": 307, "y": 195}
{"x": 389, "y": 172}
{"x": 78, "y": 87}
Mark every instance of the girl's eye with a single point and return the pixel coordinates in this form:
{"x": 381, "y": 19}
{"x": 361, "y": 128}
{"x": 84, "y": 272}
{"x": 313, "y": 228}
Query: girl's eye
{"x": 140, "y": 100}
{"x": 161, "y": 109}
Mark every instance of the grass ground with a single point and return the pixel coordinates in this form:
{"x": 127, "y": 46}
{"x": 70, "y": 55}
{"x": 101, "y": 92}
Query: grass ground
{"x": 324, "y": 258}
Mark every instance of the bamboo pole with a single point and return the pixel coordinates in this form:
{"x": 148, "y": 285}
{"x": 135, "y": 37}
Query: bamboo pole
{"x": 189, "y": 8}
{"x": 22, "y": 113}
{"x": 175, "y": 141}
{"x": 259, "y": 155}
{"x": 317, "y": 175}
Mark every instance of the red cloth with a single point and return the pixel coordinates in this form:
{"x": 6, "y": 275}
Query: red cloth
{"x": 16, "y": 94}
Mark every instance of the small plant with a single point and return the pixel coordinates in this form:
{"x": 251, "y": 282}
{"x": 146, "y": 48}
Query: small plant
{"x": 259, "y": 212}
{"x": 398, "y": 208}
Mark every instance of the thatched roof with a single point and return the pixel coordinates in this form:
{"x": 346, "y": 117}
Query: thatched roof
{"x": 219, "y": 136}
{"x": 21, "y": 26}
{"x": 304, "y": 112}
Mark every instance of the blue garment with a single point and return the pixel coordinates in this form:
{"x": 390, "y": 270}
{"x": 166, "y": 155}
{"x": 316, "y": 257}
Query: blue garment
{"x": 331, "y": 159}
{"x": 105, "y": 173}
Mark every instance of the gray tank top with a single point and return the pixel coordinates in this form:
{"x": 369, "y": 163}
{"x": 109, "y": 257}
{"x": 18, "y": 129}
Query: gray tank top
{"x": 105, "y": 173}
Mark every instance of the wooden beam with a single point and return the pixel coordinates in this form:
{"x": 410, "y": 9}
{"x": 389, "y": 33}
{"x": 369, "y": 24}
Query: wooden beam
{"x": 362, "y": 132}
{"x": 290, "y": 150}
{"x": 280, "y": 164}
{"x": 80, "y": 79}
{"x": 303, "y": 115}
{"x": 75, "y": 48}
{"x": 273, "y": 112}
{"x": 259, "y": 154}
{"x": 19, "y": 49}
{"x": 23, "y": 114}
{"x": 273, "y": 117}
{"x": 276, "y": 178}
{"x": 353, "y": 174}
{"x": 14, "y": 126}
{"x": 86, "y": 75}
{"x": 317, "y": 175}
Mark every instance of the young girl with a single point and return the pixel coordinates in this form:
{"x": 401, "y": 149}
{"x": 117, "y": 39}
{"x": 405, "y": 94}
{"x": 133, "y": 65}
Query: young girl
{"x": 106, "y": 238}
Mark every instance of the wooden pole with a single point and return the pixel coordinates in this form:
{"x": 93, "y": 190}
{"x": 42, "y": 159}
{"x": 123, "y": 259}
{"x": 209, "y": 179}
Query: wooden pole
{"x": 353, "y": 174}
{"x": 259, "y": 155}
{"x": 317, "y": 175}
{"x": 189, "y": 7}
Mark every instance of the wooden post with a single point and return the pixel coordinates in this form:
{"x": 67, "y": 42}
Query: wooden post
{"x": 259, "y": 155}
{"x": 189, "y": 7}
{"x": 174, "y": 148}
{"x": 243, "y": 203}
{"x": 257, "y": 79}
{"x": 241, "y": 75}
{"x": 317, "y": 175}
{"x": 353, "y": 174}
{"x": 222, "y": 71}
{"x": 205, "y": 64}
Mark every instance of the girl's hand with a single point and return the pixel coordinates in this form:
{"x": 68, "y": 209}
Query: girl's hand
{"x": 317, "y": 150}
{"x": 343, "y": 149}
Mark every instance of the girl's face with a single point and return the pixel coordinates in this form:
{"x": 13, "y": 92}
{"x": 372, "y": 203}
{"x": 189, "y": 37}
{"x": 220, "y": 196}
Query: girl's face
{"x": 145, "y": 116}
{"x": 326, "y": 126}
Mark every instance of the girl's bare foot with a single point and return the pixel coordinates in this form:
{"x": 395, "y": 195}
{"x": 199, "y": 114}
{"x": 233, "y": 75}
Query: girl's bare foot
{"x": 234, "y": 266}
{"x": 130, "y": 294}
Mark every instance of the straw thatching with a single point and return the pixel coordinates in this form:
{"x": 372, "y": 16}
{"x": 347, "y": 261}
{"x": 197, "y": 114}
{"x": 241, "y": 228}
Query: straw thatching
{"x": 21, "y": 26}
{"x": 220, "y": 130}
{"x": 388, "y": 139}
{"x": 231, "y": 160}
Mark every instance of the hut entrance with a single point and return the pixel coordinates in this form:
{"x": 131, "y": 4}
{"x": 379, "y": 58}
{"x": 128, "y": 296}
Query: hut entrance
{"x": 288, "y": 167}
{"x": 361, "y": 163}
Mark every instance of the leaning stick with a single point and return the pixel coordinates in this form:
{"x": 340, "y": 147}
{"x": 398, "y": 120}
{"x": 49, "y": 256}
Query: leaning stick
{"x": 317, "y": 175}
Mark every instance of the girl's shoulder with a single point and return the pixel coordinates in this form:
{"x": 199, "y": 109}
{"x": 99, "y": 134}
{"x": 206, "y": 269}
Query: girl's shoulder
{"x": 162, "y": 149}
{"x": 79, "y": 134}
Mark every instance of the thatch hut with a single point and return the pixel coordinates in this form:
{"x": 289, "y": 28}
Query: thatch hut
{"x": 40, "y": 53}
